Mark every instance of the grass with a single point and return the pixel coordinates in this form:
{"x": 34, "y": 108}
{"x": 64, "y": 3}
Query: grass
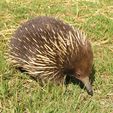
{"x": 20, "y": 94}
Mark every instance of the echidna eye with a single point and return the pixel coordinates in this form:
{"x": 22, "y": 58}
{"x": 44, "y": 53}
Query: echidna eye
{"x": 77, "y": 75}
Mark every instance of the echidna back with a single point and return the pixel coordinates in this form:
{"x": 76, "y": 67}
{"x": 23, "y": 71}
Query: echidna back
{"x": 35, "y": 33}
{"x": 45, "y": 47}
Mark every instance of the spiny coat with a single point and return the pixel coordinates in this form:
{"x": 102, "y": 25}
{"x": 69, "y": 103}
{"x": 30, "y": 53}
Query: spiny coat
{"x": 49, "y": 49}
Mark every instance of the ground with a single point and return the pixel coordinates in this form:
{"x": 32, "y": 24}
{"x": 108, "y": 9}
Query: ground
{"x": 21, "y": 94}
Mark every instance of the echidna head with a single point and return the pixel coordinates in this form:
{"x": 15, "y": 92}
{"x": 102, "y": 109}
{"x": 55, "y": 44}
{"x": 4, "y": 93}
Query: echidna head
{"x": 83, "y": 67}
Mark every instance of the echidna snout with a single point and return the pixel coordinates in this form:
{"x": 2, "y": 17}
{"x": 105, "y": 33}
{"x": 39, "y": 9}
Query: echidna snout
{"x": 88, "y": 85}
{"x": 46, "y": 47}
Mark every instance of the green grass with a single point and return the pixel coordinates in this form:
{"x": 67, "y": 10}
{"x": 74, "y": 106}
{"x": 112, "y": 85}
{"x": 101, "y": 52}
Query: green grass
{"x": 20, "y": 94}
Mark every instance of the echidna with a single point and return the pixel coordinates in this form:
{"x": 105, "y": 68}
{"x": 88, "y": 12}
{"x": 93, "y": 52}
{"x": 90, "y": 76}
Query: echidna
{"x": 50, "y": 50}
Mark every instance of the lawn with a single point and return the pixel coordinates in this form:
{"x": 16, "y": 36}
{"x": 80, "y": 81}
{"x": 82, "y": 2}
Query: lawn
{"x": 20, "y": 94}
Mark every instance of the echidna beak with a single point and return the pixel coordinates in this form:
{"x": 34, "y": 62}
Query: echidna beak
{"x": 88, "y": 85}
